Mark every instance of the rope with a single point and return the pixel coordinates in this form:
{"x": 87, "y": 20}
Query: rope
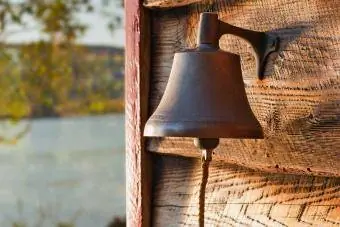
{"x": 206, "y": 159}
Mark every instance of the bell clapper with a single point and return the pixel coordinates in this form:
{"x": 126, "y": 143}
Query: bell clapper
{"x": 206, "y": 155}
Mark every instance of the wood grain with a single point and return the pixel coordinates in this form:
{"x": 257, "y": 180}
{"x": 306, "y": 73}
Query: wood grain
{"x": 237, "y": 196}
{"x": 297, "y": 103}
{"x": 163, "y": 4}
{"x": 137, "y": 70}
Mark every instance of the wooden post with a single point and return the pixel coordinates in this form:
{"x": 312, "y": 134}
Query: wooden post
{"x": 138, "y": 169}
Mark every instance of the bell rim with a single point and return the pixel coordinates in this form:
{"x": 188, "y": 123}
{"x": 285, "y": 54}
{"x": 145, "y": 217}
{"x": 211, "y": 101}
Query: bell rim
{"x": 207, "y": 51}
{"x": 203, "y": 130}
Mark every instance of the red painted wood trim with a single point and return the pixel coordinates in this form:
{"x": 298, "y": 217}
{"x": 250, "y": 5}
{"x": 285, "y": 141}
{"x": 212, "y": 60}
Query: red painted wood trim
{"x": 137, "y": 65}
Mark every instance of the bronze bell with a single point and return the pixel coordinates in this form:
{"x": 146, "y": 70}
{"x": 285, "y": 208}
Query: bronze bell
{"x": 205, "y": 95}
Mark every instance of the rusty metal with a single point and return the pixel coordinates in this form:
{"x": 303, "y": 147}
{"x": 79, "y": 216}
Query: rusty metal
{"x": 211, "y": 29}
{"x": 205, "y": 95}
{"x": 205, "y": 98}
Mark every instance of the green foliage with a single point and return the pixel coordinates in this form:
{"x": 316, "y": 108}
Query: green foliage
{"x": 64, "y": 224}
{"x": 114, "y": 19}
{"x": 46, "y": 73}
{"x": 46, "y": 77}
{"x": 13, "y": 99}
{"x": 55, "y": 17}
{"x": 18, "y": 224}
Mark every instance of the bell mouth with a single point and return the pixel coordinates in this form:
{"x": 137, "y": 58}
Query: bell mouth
{"x": 208, "y": 49}
{"x": 155, "y": 128}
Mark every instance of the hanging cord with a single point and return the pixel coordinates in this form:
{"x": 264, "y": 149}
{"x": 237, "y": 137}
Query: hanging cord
{"x": 206, "y": 159}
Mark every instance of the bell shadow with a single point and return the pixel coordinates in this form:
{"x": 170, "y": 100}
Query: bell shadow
{"x": 286, "y": 36}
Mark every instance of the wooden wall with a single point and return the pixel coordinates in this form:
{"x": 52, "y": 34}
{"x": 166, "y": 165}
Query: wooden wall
{"x": 297, "y": 103}
{"x": 237, "y": 196}
{"x": 291, "y": 178}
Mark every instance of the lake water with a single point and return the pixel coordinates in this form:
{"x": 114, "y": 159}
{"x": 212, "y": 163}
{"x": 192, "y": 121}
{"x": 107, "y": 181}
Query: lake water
{"x": 64, "y": 169}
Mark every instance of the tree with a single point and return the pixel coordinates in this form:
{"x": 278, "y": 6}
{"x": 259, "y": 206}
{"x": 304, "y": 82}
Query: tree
{"x": 44, "y": 66}
{"x": 115, "y": 20}
{"x": 37, "y": 78}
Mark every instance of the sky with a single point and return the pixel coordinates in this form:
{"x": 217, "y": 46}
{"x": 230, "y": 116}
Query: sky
{"x": 96, "y": 34}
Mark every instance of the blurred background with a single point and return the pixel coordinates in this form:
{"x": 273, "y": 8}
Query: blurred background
{"x": 61, "y": 109}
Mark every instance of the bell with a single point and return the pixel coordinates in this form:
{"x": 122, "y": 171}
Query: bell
{"x": 204, "y": 98}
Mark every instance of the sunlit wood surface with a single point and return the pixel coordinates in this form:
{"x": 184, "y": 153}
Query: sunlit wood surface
{"x": 297, "y": 103}
{"x": 237, "y": 196}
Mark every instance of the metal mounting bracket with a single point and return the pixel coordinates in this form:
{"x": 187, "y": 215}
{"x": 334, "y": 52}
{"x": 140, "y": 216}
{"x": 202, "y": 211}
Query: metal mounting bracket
{"x": 211, "y": 29}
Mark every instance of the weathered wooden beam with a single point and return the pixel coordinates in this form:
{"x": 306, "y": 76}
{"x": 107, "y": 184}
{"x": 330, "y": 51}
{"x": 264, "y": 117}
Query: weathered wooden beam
{"x": 257, "y": 155}
{"x": 137, "y": 70}
{"x": 297, "y": 103}
{"x": 237, "y": 196}
{"x": 164, "y": 4}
